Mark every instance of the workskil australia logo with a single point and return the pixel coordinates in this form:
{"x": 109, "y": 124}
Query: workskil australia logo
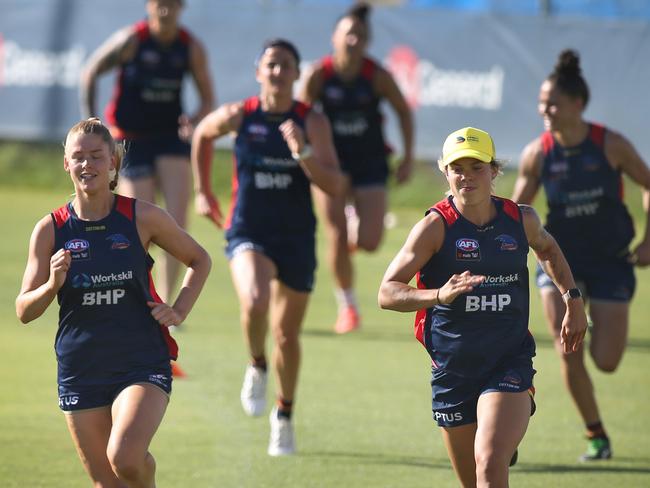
{"x": 83, "y": 280}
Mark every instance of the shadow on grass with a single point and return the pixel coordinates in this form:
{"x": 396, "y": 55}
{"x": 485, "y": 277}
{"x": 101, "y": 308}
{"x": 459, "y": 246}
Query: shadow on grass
{"x": 383, "y": 459}
{"x": 597, "y": 467}
{"x": 545, "y": 341}
{"x": 639, "y": 465}
{"x": 542, "y": 341}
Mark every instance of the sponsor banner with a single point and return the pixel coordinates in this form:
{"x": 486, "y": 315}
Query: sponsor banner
{"x": 456, "y": 68}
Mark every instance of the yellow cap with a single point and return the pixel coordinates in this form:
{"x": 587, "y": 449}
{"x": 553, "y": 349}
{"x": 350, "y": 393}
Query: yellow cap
{"x": 467, "y": 143}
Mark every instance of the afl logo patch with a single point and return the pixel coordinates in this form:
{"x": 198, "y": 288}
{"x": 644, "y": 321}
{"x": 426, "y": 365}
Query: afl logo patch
{"x": 508, "y": 243}
{"x": 334, "y": 94}
{"x": 258, "y": 130}
{"x": 150, "y": 57}
{"x": 467, "y": 250}
{"x": 79, "y": 249}
{"x": 119, "y": 241}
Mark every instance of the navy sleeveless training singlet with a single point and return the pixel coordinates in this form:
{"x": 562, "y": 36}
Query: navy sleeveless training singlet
{"x": 105, "y": 325}
{"x": 469, "y": 336}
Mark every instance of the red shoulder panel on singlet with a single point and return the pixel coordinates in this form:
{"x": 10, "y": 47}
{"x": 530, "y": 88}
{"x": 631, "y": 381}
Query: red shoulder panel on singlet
{"x": 61, "y": 216}
{"x": 142, "y": 30}
{"x": 251, "y": 104}
{"x": 446, "y": 209}
{"x": 547, "y": 142}
{"x": 124, "y": 205}
{"x": 184, "y": 35}
{"x": 302, "y": 109}
{"x": 597, "y": 134}
{"x": 510, "y": 208}
{"x": 368, "y": 69}
{"x": 328, "y": 67}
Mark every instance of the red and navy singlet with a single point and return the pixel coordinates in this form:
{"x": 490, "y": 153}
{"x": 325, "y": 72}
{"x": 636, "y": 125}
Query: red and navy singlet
{"x": 147, "y": 98}
{"x": 353, "y": 110}
{"x": 586, "y": 214}
{"x": 105, "y": 326}
{"x": 469, "y": 336}
{"x": 271, "y": 193}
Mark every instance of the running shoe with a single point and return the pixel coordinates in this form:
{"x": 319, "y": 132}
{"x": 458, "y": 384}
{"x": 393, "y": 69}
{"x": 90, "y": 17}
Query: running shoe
{"x": 282, "y": 442}
{"x": 253, "y": 391}
{"x": 597, "y": 449}
{"x": 347, "y": 321}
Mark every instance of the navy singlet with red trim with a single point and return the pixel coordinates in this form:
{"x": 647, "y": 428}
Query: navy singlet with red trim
{"x": 469, "y": 336}
{"x": 105, "y": 325}
{"x": 271, "y": 193}
{"x": 586, "y": 214}
{"x": 148, "y": 94}
{"x": 353, "y": 110}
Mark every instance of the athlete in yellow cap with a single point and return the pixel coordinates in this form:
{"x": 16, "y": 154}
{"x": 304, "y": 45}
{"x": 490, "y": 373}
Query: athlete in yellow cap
{"x": 469, "y": 255}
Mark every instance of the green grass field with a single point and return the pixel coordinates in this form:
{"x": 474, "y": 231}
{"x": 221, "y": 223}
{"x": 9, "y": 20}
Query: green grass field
{"x": 363, "y": 413}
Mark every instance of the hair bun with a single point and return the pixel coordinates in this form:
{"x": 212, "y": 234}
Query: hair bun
{"x": 568, "y": 64}
{"x": 360, "y": 11}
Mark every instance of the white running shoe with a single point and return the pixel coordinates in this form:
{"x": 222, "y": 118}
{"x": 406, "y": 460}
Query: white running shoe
{"x": 282, "y": 442}
{"x": 253, "y": 391}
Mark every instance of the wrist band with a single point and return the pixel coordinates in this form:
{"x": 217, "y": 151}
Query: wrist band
{"x": 305, "y": 153}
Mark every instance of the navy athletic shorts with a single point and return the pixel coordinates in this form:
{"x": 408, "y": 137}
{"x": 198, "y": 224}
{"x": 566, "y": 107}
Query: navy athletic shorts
{"x": 608, "y": 280}
{"x": 365, "y": 170}
{"x": 141, "y": 154}
{"x": 455, "y": 398}
{"x": 294, "y": 257}
{"x": 73, "y": 398}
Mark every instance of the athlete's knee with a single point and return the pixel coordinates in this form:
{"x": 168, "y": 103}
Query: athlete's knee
{"x": 339, "y": 237}
{"x": 129, "y": 466}
{"x": 573, "y": 362}
{"x": 368, "y": 243}
{"x": 286, "y": 340}
{"x": 607, "y": 365}
{"x": 255, "y": 304}
{"x": 489, "y": 467}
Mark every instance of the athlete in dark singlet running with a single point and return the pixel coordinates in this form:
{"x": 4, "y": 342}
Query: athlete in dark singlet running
{"x": 113, "y": 347}
{"x": 350, "y": 87}
{"x": 153, "y": 58}
{"x": 469, "y": 254}
{"x": 580, "y": 165}
{"x": 281, "y": 147}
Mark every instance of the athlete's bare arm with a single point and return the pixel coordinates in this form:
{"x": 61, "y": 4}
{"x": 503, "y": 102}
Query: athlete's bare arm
{"x": 45, "y": 272}
{"x": 424, "y": 240}
{"x": 550, "y": 257}
{"x": 311, "y": 89}
{"x": 226, "y": 119}
{"x": 322, "y": 166}
{"x": 622, "y": 155}
{"x": 156, "y": 226}
{"x": 201, "y": 74}
{"x": 117, "y": 50}
{"x": 530, "y": 171}
{"x": 386, "y": 87}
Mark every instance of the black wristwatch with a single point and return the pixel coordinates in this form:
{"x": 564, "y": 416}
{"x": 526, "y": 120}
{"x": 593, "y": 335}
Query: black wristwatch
{"x": 571, "y": 293}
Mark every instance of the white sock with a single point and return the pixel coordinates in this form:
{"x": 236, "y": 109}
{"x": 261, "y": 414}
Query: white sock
{"x": 345, "y": 298}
